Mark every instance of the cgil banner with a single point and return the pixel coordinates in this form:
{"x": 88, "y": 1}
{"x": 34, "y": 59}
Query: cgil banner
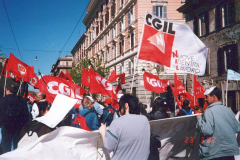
{"x": 173, "y": 45}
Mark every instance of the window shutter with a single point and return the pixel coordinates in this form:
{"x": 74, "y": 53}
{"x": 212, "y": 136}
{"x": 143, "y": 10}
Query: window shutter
{"x": 235, "y": 57}
{"x": 165, "y": 11}
{"x": 220, "y": 60}
{"x": 154, "y": 10}
{"x": 129, "y": 67}
{"x": 129, "y": 16}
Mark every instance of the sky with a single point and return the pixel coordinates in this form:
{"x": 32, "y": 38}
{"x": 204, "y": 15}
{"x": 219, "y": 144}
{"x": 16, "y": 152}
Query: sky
{"x": 41, "y": 28}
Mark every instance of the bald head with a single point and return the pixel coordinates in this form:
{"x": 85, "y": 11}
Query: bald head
{"x": 40, "y": 96}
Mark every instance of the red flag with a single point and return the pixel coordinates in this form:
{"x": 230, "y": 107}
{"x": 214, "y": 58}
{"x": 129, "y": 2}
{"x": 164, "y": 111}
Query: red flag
{"x": 77, "y": 105}
{"x": 198, "y": 89}
{"x": 118, "y": 89}
{"x": 30, "y": 97}
{"x": 32, "y": 78}
{"x": 179, "y": 88}
{"x": 57, "y": 85}
{"x": 115, "y": 104}
{"x": 176, "y": 97}
{"x": 85, "y": 78}
{"x": 100, "y": 85}
{"x": 62, "y": 75}
{"x": 113, "y": 77}
{"x": 69, "y": 77}
{"x": 9, "y": 74}
{"x": 154, "y": 83}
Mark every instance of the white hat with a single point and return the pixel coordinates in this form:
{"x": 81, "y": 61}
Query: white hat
{"x": 208, "y": 91}
{"x": 91, "y": 99}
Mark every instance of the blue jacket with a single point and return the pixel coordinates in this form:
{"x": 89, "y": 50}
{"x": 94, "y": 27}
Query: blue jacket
{"x": 91, "y": 119}
{"x": 108, "y": 116}
{"x": 218, "y": 127}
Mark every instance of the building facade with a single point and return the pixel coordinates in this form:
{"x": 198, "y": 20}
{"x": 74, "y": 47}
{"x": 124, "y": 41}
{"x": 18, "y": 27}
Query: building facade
{"x": 113, "y": 34}
{"x": 62, "y": 64}
{"x": 217, "y": 24}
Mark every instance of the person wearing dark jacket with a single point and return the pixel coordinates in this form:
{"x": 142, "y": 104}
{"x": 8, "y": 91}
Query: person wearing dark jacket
{"x": 186, "y": 110}
{"x": 108, "y": 112}
{"x": 159, "y": 109}
{"x": 13, "y": 115}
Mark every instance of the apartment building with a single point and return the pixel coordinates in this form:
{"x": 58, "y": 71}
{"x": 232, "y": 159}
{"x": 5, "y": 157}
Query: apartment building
{"x": 113, "y": 34}
{"x": 62, "y": 64}
{"x": 217, "y": 24}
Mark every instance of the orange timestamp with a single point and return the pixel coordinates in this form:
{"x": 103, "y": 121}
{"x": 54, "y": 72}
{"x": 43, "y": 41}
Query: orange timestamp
{"x": 209, "y": 139}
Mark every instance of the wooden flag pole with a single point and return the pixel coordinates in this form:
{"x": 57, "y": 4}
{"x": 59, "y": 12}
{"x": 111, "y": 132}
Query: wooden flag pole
{"x": 5, "y": 84}
{"x": 20, "y": 86}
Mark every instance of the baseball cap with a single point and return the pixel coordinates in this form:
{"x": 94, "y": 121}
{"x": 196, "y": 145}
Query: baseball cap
{"x": 208, "y": 91}
{"x": 108, "y": 100}
{"x": 91, "y": 99}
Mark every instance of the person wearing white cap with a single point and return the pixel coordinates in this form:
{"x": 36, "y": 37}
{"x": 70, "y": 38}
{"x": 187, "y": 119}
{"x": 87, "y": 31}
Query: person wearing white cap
{"x": 217, "y": 126}
{"x": 91, "y": 117}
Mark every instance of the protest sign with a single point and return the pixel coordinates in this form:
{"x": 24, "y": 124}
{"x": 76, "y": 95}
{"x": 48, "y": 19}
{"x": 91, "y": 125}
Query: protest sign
{"x": 173, "y": 45}
{"x": 178, "y": 135}
{"x": 59, "y": 109}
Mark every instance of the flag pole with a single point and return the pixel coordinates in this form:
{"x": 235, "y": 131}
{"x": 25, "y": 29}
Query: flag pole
{"x": 20, "y": 86}
{"x": 5, "y": 84}
{"x": 226, "y": 89}
{"x": 133, "y": 75}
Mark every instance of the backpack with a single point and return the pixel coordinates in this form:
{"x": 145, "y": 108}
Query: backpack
{"x": 30, "y": 136}
{"x": 16, "y": 115}
{"x": 80, "y": 121}
{"x": 187, "y": 113}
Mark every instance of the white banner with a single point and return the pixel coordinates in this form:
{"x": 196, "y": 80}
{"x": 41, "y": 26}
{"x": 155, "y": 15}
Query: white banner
{"x": 64, "y": 143}
{"x": 232, "y": 75}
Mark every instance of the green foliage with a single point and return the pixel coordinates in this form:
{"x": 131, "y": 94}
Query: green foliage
{"x": 76, "y": 71}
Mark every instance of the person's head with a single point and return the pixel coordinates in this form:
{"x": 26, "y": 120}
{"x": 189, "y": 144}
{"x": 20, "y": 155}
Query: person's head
{"x": 159, "y": 105}
{"x": 213, "y": 95}
{"x": 88, "y": 102}
{"x": 185, "y": 103}
{"x": 11, "y": 89}
{"x": 128, "y": 104}
{"x": 40, "y": 109}
{"x": 40, "y": 96}
{"x": 107, "y": 102}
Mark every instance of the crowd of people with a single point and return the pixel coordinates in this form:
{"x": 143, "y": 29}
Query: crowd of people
{"x": 125, "y": 131}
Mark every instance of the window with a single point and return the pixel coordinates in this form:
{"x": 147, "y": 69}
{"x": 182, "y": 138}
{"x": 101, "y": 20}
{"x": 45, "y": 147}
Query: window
{"x": 114, "y": 51}
{"x": 108, "y": 39}
{"x": 130, "y": 67}
{"x": 108, "y": 55}
{"x": 227, "y": 58}
{"x": 107, "y": 17}
{"x": 130, "y": 16}
{"x": 160, "y": 11}
{"x": 225, "y": 14}
{"x": 122, "y": 2}
{"x": 102, "y": 41}
{"x": 132, "y": 39}
{"x": 114, "y": 32}
{"x": 121, "y": 25}
{"x": 121, "y": 46}
{"x": 203, "y": 24}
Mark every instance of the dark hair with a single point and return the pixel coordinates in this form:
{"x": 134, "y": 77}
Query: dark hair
{"x": 132, "y": 103}
{"x": 42, "y": 107}
{"x": 158, "y": 105}
{"x": 217, "y": 93}
{"x": 12, "y": 88}
{"x": 185, "y": 103}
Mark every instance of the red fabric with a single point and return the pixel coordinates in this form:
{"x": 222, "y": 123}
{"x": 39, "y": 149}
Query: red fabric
{"x": 205, "y": 106}
{"x": 69, "y": 77}
{"x": 118, "y": 89}
{"x": 59, "y": 85}
{"x": 198, "y": 89}
{"x": 32, "y": 78}
{"x": 176, "y": 97}
{"x": 154, "y": 83}
{"x": 77, "y": 105}
{"x": 31, "y": 98}
{"x": 100, "y": 85}
{"x": 80, "y": 120}
{"x": 85, "y": 78}
{"x": 151, "y": 50}
{"x": 115, "y": 104}
{"x": 3, "y": 73}
{"x": 62, "y": 75}
{"x": 108, "y": 100}
{"x": 178, "y": 85}
{"x": 113, "y": 77}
